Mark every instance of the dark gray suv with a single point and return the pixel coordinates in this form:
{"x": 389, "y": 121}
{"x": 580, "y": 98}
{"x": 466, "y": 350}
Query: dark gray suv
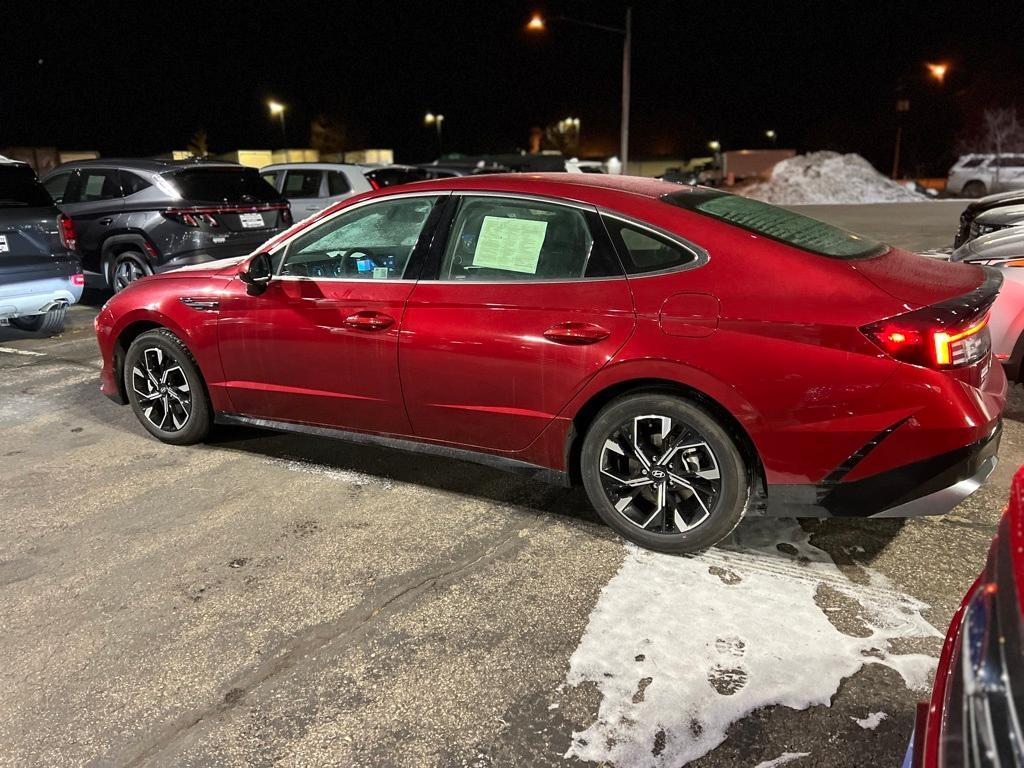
{"x": 137, "y": 217}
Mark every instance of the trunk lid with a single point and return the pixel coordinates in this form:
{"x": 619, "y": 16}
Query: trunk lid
{"x": 918, "y": 279}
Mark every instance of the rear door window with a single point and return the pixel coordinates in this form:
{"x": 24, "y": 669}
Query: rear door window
{"x": 778, "y": 224}
{"x": 97, "y": 184}
{"x": 337, "y": 183}
{"x": 302, "y": 183}
{"x": 504, "y": 239}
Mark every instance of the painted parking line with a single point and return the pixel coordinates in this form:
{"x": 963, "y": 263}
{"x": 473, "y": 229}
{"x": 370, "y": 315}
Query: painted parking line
{"x": 25, "y": 352}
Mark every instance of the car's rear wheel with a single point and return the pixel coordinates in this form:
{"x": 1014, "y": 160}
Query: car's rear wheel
{"x": 165, "y": 388}
{"x": 48, "y": 322}
{"x": 974, "y": 189}
{"x": 664, "y": 473}
{"x": 126, "y": 268}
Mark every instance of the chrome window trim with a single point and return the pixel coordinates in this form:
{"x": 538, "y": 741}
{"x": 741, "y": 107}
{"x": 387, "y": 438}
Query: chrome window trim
{"x": 701, "y": 256}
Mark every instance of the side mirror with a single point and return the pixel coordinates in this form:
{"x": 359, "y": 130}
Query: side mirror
{"x": 256, "y": 274}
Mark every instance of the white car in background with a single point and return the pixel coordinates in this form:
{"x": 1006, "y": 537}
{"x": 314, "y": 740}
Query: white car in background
{"x": 979, "y": 175}
{"x": 311, "y": 187}
{"x": 1003, "y": 249}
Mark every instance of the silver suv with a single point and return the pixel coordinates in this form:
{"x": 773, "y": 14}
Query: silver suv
{"x": 980, "y": 175}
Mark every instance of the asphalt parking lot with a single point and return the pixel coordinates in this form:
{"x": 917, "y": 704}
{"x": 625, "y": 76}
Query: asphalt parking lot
{"x": 266, "y": 599}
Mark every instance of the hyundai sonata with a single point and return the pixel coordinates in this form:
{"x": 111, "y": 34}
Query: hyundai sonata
{"x": 688, "y": 356}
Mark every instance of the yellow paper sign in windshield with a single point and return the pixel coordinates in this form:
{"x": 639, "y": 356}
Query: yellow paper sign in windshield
{"x": 510, "y": 244}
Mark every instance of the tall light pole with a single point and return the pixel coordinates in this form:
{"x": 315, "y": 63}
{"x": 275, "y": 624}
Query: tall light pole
{"x": 435, "y": 120}
{"x": 538, "y": 23}
{"x": 277, "y": 110}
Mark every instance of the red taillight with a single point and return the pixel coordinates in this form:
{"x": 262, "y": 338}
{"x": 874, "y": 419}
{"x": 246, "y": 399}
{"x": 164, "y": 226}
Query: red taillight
{"x": 68, "y": 238}
{"x": 78, "y": 279}
{"x": 920, "y": 339}
{"x": 286, "y": 216}
{"x": 373, "y": 184}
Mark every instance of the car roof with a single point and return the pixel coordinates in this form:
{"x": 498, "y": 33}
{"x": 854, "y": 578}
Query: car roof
{"x": 152, "y": 165}
{"x": 314, "y": 166}
{"x": 576, "y": 186}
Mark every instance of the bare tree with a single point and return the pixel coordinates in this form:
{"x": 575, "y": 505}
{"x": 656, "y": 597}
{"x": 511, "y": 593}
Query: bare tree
{"x": 1002, "y": 133}
{"x": 198, "y": 145}
{"x": 329, "y": 135}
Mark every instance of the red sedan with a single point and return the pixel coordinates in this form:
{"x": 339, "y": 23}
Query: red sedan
{"x": 974, "y": 716}
{"x": 689, "y": 356}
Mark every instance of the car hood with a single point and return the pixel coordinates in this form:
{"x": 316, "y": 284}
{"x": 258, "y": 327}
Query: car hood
{"x": 1002, "y": 216}
{"x": 918, "y": 279}
{"x": 208, "y": 268}
{"x": 1001, "y": 245}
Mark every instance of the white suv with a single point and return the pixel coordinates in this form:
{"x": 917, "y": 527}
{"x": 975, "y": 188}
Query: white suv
{"x": 979, "y": 175}
{"x": 311, "y": 187}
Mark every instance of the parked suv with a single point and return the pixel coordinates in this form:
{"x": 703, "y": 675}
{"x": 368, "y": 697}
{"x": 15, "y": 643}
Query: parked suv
{"x": 137, "y": 217}
{"x": 39, "y": 272}
{"x": 311, "y": 187}
{"x": 978, "y": 175}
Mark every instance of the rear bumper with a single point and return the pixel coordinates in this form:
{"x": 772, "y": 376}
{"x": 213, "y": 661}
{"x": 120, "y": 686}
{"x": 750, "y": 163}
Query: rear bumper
{"x": 932, "y": 486}
{"x": 36, "y": 296}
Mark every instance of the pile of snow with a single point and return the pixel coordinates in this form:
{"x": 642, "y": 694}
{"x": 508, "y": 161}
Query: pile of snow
{"x": 682, "y": 647}
{"x": 829, "y": 177}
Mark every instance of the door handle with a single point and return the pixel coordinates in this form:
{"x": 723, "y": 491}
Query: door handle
{"x": 107, "y": 221}
{"x": 369, "y": 321}
{"x": 576, "y": 333}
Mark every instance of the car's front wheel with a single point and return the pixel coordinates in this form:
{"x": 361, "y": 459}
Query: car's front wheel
{"x": 664, "y": 473}
{"x": 165, "y": 388}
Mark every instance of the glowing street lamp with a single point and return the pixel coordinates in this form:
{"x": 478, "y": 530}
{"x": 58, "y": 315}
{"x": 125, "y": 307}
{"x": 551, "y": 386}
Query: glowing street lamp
{"x": 771, "y": 135}
{"x": 938, "y": 71}
{"x": 538, "y": 23}
{"x": 714, "y": 145}
{"x": 435, "y": 120}
{"x": 277, "y": 110}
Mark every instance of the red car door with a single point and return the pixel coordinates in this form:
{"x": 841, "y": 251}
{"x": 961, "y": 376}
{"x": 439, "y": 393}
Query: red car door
{"x": 527, "y": 303}
{"x": 320, "y": 345}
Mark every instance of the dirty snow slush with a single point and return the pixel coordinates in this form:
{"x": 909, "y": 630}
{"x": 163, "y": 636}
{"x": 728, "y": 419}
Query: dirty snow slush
{"x": 682, "y": 647}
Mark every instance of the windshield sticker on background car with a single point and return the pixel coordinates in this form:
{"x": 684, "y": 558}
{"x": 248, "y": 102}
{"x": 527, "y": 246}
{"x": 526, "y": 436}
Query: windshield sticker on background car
{"x": 4, "y": 248}
{"x": 510, "y": 244}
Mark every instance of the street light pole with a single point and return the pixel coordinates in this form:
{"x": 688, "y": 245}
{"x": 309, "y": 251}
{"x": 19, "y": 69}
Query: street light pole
{"x": 538, "y": 23}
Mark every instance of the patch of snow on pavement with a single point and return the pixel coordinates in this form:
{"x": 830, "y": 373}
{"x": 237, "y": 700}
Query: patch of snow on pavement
{"x": 338, "y": 475}
{"x": 682, "y": 647}
{"x": 870, "y": 722}
{"x": 785, "y": 757}
{"x": 829, "y": 177}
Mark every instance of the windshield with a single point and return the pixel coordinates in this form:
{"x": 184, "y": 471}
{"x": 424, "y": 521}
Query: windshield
{"x": 234, "y": 186}
{"x": 779, "y": 224}
{"x": 20, "y": 189}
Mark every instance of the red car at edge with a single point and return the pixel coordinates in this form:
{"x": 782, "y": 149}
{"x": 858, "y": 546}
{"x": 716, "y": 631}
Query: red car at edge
{"x": 687, "y": 355}
{"x": 974, "y": 717}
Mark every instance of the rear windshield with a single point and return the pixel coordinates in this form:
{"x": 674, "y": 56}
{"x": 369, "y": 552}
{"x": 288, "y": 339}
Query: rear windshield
{"x": 224, "y": 185}
{"x": 779, "y": 224}
{"x": 20, "y": 189}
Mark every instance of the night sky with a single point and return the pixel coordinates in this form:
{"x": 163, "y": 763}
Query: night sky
{"x": 137, "y": 79}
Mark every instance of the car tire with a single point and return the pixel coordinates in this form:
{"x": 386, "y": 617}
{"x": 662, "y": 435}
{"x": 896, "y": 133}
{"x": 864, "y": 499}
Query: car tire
{"x": 50, "y": 322}
{"x": 974, "y": 189}
{"x": 166, "y": 389}
{"x": 125, "y": 269}
{"x": 664, "y": 473}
